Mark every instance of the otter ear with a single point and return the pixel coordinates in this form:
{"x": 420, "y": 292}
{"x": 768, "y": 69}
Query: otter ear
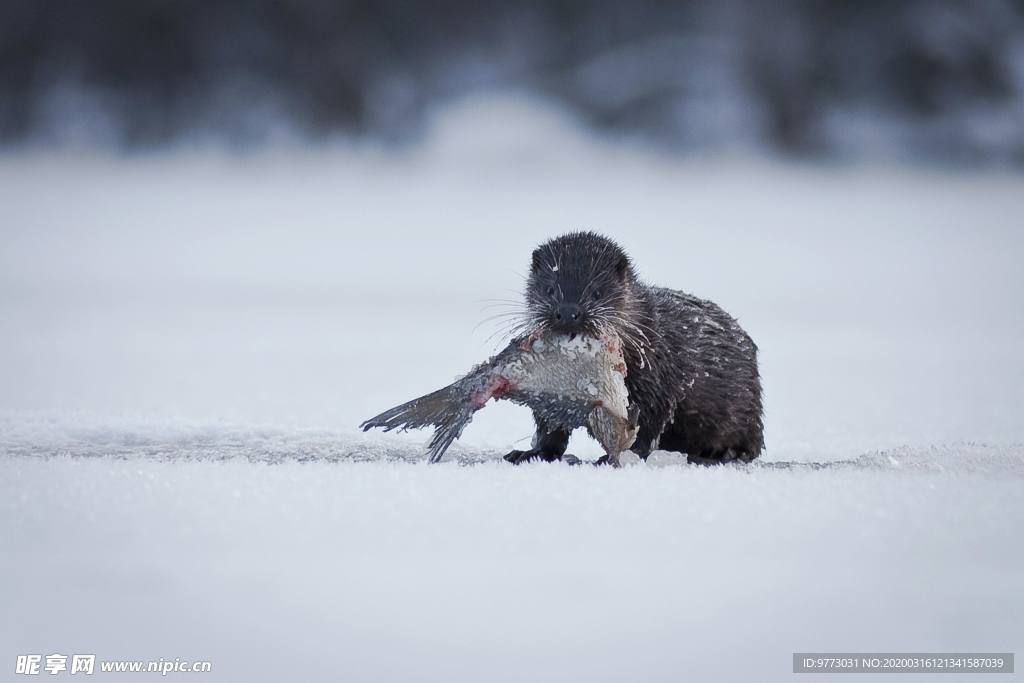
{"x": 622, "y": 267}
{"x": 536, "y": 260}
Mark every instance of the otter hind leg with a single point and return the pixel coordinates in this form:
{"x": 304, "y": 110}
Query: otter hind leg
{"x": 701, "y": 441}
{"x": 702, "y": 455}
{"x": 719, "y": 457}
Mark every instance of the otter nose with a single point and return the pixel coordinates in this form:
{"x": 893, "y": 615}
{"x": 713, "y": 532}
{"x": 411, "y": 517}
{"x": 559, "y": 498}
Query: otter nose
{"x": 567, "y": 313}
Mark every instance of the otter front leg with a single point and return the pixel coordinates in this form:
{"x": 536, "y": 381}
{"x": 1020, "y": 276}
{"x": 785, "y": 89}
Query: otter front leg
{"x": 548, "y": 445}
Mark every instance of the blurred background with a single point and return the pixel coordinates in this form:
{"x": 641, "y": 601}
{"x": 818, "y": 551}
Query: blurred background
{"x": 292, "y": 214}
{"x": 938, "y": 80}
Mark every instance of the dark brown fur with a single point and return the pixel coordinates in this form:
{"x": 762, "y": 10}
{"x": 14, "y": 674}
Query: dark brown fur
{"x": 692, "y": 371}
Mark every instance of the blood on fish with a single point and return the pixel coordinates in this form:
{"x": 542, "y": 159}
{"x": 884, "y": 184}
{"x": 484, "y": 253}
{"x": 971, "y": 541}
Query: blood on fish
{"x": 499, "y": 386}
{"x": 496, "y": 389}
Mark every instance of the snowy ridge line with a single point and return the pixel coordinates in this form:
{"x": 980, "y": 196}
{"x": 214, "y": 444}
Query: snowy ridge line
{"x": 268, "y": 450}
{"x": 89, "y": 436}
{"x": 954, "y": 459}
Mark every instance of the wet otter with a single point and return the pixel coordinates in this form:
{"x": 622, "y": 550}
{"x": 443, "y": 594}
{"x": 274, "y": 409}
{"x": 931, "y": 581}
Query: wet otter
{"x": 691, "y": 370}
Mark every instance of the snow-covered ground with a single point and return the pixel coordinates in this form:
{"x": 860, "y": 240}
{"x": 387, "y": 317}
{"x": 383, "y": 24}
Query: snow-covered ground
{"x": 188, "y": 341}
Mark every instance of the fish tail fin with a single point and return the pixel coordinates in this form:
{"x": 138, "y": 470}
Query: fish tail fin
{"x": 425, "y": 411}
{"x": 443, "y": 437}
{"x": 444, "y": 409}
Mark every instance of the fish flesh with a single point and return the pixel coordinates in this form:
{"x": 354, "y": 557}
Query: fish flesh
{"x": 569, "y": 380}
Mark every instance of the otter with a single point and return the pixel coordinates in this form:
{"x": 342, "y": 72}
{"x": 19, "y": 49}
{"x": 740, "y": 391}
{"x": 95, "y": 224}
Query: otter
{"x": 691, "y": 369}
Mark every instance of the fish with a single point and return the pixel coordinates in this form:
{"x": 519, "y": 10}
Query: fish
{"x": 571, "y": 380}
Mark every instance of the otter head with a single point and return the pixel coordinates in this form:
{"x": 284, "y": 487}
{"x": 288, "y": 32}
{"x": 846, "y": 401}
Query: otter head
{"x": 578, "y": 283}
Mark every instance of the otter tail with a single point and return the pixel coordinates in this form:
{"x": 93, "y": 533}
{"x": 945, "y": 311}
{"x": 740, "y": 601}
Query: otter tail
{"x": 446, "y": 409}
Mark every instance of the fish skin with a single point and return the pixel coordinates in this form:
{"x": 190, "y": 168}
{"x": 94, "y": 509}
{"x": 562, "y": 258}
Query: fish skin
{"x": 573, "y": 381}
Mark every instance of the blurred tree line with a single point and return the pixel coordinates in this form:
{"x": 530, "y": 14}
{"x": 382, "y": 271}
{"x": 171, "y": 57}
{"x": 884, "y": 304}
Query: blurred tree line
{"x": 922, "y": 78}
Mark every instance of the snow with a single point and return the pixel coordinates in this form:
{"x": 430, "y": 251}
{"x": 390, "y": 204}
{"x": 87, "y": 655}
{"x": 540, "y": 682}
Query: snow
{"x": 188, "y": 341}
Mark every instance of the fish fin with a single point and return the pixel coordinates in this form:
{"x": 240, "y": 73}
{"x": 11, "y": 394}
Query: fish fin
{"x": 445, "y": 409}
{"x": 446, "y": 433}
{"x": 425, "y": 411}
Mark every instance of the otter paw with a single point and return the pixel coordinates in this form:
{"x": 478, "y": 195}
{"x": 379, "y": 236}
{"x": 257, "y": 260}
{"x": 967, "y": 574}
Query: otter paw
{"x": 721, "y": 457}
{"x": 518, "y": 457}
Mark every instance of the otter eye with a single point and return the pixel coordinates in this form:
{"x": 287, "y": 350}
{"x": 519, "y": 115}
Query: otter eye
{"x": 597, "y": 295}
